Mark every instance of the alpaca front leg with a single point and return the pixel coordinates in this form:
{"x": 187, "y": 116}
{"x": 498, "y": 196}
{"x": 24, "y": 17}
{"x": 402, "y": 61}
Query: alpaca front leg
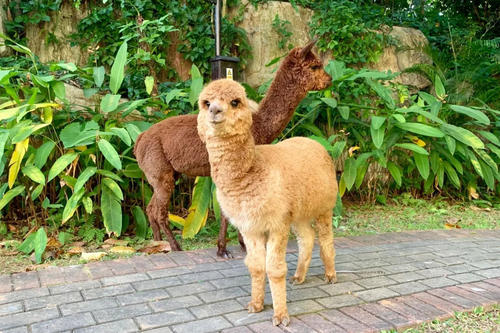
{"x": 222, "y": 250}
{"x": 256, "y": 263}
{"x": 276, "y": 272}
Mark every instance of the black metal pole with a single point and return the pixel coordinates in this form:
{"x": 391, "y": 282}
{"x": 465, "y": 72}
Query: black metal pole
{"x": 217, "y": 16}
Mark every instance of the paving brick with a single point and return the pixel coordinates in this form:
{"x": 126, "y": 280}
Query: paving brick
{"x": 5, "y": 283}
{"x": 67, "y": 288}
{"x": 434, "y": 272}
{"x": 93, "y": 305}
{"x": 390, "y": 316}
{"x": 120, "y": 279}
{"x": 27, "y": 318}
{"x": 121, "y": 267}
{"x": 222, "y": 294}
{"x": 122, "y": 312}
{"x": 189, "y": 289}
{"x": 239, "y": 329}
{"x": 10, "y": 308}
{"x": 164, "y": 319}
{"x": 157, "y": 283}
{"x": 406, "y": 277}
{"x": 489, "y": 273}
{"x": 438, "y": 302}
{"x": 162, "y": 261}
{"x": 265, "y": 326}
{"x": 204, "y": 325}
{"x": 375, "y": 294}
{"x": 452, "y": 298}
{"x": 320, "y": 324}
{"x": 305, "y": 293}
{"x": 483, "y": 288}
{"x": 344, "y": 321}
{"x": 75, "y": 273}
{"x": 238, "y": 271}
{"x": 301, "y": 307}
{"x": 233, "y": 282}
{"x": 409, "y": 288}
{"x": 201, "y": 276}
{"x": 375, "y": 282}
{"x": 52, "y": 301}
{"x": 438, "y": 282}
{"x": 64, "y": 323}
{"x": 215, "y": 309}
{"x": 25, "y": 280}
{"x": 413, "y": 315}
{"x": 338, "y": 301}
{"x": 365, "y": 317}
{"x": 485, "y": 264}
{"x": 245, "y": 318}
{"x": 23, "y": 329}
{"x": 122, "y": 326}
{"x": 495, "y": 282}
{"x": 402, "y": 268}
{"x": 107, "y": 291}
{"x": 175, "y": 303}
{"x": 142, "y": 296}
{"x": 466, "y": 277}
{"x": 424, "y": 307}
{"x": 341, "y": 288}
{"x": 23, "y": 294}
{"x": 475, "y": 297}
{"x": 181, "y": 258}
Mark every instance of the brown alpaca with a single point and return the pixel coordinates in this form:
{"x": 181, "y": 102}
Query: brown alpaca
{"x": 264, "y": 190}
{"x": 172, "y": 146}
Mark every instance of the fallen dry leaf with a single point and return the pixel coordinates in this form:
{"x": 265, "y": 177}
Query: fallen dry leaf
{"x": 10, "y": 253}
{"x": 156, "y": 247}
{"x": 113, "y": 241}
{"x": 451, "y": 226}
{"x": 75, "y": 250}
{"x": 122, "y": 250}
{"x": 77, "y": 244}
{"x": 53, "y": 243}
{"x": 106, "y": 246}
{"x": 12, "y": 228}
{"x": 89, "y": 256}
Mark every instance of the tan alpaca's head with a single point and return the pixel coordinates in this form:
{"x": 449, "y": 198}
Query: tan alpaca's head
{"x": 224, "y": 110}
{"x": 307, "y": 67}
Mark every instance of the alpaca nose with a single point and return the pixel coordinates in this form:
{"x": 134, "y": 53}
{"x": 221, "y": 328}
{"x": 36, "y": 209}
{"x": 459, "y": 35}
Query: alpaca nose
{"x": 214, "y": 109}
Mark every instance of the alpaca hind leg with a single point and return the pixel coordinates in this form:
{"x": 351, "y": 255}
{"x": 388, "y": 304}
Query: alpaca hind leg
{"x": 222, "y": 250}
{"x": 305, "y": 239}
{"x": 327, "y": 249}
{"x": 256, "y": 263}
{"x": 276, "y": 273}
{"x": 242, "y": 242}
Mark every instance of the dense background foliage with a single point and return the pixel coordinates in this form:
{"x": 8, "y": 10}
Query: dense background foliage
{"x": 71, "y": 169}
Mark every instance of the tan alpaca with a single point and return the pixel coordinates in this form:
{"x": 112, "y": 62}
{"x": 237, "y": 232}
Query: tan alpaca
{"x": 265, "y": 190}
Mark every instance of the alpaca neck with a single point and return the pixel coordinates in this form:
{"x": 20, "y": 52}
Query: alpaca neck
{"x": 277, "y": 108}
{"x": 230, "y": 159}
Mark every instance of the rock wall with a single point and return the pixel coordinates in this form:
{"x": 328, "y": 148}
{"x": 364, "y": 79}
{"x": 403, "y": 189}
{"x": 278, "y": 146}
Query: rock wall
{"x": 3, "y": 50}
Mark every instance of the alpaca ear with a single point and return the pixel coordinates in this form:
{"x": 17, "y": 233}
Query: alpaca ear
{"x": 306, "y": 49}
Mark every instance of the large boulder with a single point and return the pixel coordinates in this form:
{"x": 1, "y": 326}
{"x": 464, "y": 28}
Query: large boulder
{"x": 3, "y": 50}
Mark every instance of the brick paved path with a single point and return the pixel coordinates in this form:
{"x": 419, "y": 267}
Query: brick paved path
{"x": 393, "y": 280}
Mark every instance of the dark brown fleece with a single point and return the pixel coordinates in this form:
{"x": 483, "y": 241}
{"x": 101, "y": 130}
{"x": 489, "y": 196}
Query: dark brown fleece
{"x": 172, "y": 146}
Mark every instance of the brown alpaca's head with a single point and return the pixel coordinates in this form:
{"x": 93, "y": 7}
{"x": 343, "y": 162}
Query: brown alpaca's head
{"x": 306, "y": 68}
{"x": 224, "y": 110}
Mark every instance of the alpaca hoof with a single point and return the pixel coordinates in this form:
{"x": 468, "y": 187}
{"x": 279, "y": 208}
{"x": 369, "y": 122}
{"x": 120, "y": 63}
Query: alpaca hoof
{"x": 224, "y": 253}
{"x": 283, "y": 319}
{"x": 295, "y": 280}
{"x": 254, "y": 308}
{"x": 331, "y": 278}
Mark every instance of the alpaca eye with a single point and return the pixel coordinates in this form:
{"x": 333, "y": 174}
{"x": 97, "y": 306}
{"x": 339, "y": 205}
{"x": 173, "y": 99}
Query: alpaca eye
{"x": 235, "y": 103}
{"x": 315, "y": 67}
{"x": 207, "y": 103}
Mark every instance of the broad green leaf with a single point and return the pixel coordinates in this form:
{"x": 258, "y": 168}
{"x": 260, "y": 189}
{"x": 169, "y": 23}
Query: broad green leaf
{"x": 395, "y": 172}
{"x": 198, "y": 212}
{"x": 132, "y": 170}
{"x": 488, "y": 176}
{"x": 110, "y": 153}
{"x": 463, "y": 135}
{"x": 421, "y": 129}
{"x": 172, "y": 94}
{"x": 114, "y": 187}
{"x": 487, "y": 135}
{"x": 324, "y": 142}
{"x": 28, "y": 245}
{"x": 72, "y": 205}
{"x": 34, "y": 174}
{"x": 40, "y": 243}
{"x": 338, "y": 148}
{"x": 67, "y": 66}
{"x": 60, "y": 164}
{"x": 64, "y": 237}
{"x": 11, "y": 194}
{"x": 9, "y": 113}
{"x": 377, "y": 121}
{"x": 439, "y": 88}
{"x": 399, "y": 118}
{"x": 42, "y": 153}
{"x": 440, "y": 175}
{"x": 196, "y": 85}
{"x": 149, "y": 82}
{"x": 118, "y": 69}
{"x": 87, "y": 204}
{"x": 16, "y": 159}
{"x": 141, "y": 224}
{"x": 473, "y": 113}
{"x": 84, "y": 177}
{"x": 413, "y": 147}
{"x": 452, "y": 175}
{"x": 382, "y": 92}
{"x": 422, "y": 163}
{"x": 494, "y": 149}
{"x": 342, "y": 186}
{"x": 487, "y": 158}
{"x": 350, "y": 172}
{"x": 98, "y": 75}
{"x": 331, "y": 102}
{"x": 451, "y": 144}
{"x": 36, "y": 192}
{"x": 313, "y": 129}
{"x": 107, "y": 173}
{"x": 378, "y": 136}
{"x": 110, "y": 102}
{"x": 111, "y": 211}
{"x": 336, "y": 69}
{"x": 428, "y": 98}
{"x": 26, "y": 131}
{"x": 344, "y": 112}
{"x": 122, "y": 134}
{"x": 59, "y": 89}
{"x": 78, "y": 134}
{"x": 3, "y": 140}
{"x": 133, "y": 130}
{"x": 360, "y": 174}
{"x": 475, "y": 163}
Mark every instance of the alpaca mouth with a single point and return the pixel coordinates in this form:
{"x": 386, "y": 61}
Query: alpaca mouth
{"x": 216, "y": 121}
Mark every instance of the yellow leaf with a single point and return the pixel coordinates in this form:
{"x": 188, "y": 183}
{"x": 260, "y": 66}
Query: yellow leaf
{"x": 451, "y": 226}
{"x": 177, "y": 219}
{"x": 122, "y": 250}
{"x": 417, "y": 141}
{"x": 352, "y": 150}
{"x": 16, "y": 159}
{"x": 45, "y": 105}
{"x": 472, "y": 192}
{"x": 342, "y": 186}
{"x": 89, "y": 256}
{"x": 81, "y": 148}
{"x": 198, "y": 212}
{"x": 47, "y": 115}
{"x": 7, "y": 104}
